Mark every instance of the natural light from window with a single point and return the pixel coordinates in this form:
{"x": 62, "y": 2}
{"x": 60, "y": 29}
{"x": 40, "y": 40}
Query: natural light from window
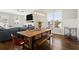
{"x": 55, "y": 19}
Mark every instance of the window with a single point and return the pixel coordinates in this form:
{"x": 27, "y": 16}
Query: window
{"x": 55, "y": 19}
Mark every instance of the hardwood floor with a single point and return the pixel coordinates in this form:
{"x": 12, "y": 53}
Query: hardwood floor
{"x": 58, "y": 42}
{"x": 61, "y": 43}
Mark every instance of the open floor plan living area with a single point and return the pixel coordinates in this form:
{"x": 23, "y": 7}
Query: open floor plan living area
{"x": 39, "y": 29}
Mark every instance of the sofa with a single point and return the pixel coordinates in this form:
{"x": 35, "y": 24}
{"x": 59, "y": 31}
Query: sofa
{"x": 5, "y": 34}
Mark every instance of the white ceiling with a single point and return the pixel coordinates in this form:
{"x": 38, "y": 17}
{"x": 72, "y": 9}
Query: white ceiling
{"x": 27, "y": 11}
{"x": 18, "y": 11}
{"x": 48, "y": 10}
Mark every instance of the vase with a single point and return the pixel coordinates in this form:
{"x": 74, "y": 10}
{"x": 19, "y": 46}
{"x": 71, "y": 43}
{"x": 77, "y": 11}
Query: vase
{"x": 39, "y": 27}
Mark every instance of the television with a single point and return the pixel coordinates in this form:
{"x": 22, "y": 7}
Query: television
{"x": 29, "y": 17}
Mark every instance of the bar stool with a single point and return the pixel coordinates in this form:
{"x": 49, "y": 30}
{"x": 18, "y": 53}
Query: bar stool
{"x": 73, "y": 34}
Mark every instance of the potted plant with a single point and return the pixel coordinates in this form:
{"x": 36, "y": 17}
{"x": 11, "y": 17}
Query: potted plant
{"x": 57, "y": 22}
{"x": 39, "y": 24}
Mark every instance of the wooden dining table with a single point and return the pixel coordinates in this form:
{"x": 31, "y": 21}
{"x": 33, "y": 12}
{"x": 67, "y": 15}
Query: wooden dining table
{"x": 33, "y": 33}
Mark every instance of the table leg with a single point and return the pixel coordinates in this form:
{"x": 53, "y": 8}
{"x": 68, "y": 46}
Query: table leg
{"x": 32, "y": 43}
{"x": 50, "y": 38}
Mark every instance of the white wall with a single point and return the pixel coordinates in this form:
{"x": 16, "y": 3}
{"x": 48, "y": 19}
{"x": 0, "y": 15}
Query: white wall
{"x": 78, "y": 25}
{"x": 70, "y": 18}
{"x": 11, "y": 19}
{"x": 40, "y": 16}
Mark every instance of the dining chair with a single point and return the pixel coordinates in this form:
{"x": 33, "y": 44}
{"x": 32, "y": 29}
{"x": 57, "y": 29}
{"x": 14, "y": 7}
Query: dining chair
{"x": 18, "y": 42}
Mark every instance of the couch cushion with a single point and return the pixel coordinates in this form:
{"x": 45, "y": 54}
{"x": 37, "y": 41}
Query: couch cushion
{"x": 4, "y": 35}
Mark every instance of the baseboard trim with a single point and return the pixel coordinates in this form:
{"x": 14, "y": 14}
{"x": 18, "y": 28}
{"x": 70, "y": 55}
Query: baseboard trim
{"x": 58, "y": 33}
